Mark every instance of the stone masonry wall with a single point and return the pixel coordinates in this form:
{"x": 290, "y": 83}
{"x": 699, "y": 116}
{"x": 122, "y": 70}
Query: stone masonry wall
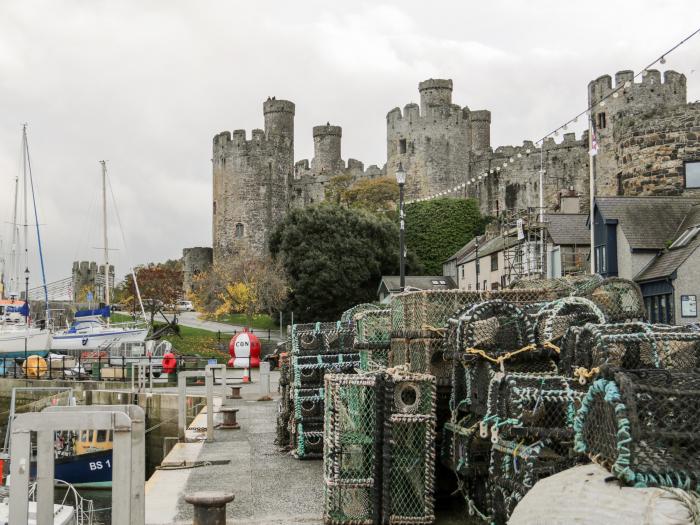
{"x": 195, "y": 261}
{"x": 652, "y": 152}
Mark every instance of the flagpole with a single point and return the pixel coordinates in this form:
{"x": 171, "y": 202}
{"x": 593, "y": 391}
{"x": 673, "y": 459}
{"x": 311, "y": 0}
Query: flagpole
{"x": 593, "y": 150}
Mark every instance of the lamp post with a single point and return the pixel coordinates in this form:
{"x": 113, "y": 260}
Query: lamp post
{"x": 476, "y": 260}
{"x": 26, "y": 317}
{"x": 401, "y": 180}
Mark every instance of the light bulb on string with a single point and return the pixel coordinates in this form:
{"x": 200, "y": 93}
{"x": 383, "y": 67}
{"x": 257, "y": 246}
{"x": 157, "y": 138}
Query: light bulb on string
{"x": 616, "y": 94}
{"x": 628, "y": 84}
{"x": 663, "y": 60}
{"x": 491, "y": 171}
{"x": 527, "y": 151}
{"x": 645, "y": 72}
{"x": 602, "y": 103}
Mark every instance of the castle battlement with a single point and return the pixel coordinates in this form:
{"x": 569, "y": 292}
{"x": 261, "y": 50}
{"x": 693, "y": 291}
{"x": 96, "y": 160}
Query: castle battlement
{"x": 327, "y": 129}
{"x": 652, "y": 90}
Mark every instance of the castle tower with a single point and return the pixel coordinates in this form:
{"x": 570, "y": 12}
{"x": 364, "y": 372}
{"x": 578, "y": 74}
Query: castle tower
{"x": 480, "y": 123}
{"x": 620, "y": 110}
{"x": 250, "y": 180}
{"x": 327, "y": 157}
{"x": 431, "y": 141}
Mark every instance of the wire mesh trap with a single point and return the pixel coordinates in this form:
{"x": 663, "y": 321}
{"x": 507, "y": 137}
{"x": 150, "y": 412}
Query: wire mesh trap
{"x": 628, "y": 345}
{"x": 554, "y": 318}
{"x": 531, "y": 406}
{"x": 352, "y": 448}
{"x": 409, "y": 448}
{"x": 514, "y": 469}
{"x": 644, "y": 426}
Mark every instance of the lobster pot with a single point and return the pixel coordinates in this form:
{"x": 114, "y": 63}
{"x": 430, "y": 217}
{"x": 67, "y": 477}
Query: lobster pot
{"x": 566, "y": 285}
{"x": 352, "y": 449}
{"x": 628, "y": 345}
{"x": 418, "y": 314}
{"x": 322, "y": 338}
{"x": 308, "y": 440}
{"x": 373, "y": 360}
{"x": 465, "y": 453}
{"x": 471, "y": 379}
{"x": 409, "y": 448}
{"x": 534, "y": 406}
{"x": 515, "y": 468}
{"x": 347, "y": 318}
{"x": 373, "y": 329}
{"x": 554, "y": 318}
{"x": 285, "y": 406}
{"x": 309, "y": 370}
{"x": 644, "y": 426}
{"x": 426, "y": 356}
{"x": 619, "y": 299}
{"x": 398, "y": 354}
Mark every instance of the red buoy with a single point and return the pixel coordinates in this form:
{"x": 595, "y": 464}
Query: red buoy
{"x": 169, "y": 363}
{"x": 244, "y": 350}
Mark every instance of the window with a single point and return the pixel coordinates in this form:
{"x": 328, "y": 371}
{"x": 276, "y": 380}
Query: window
{"x": 214, "y": 207}
{"x": 659, "y": 308}
{"x": 402, "y": 145}
{"x": 101, "y": 436}
{"x": 484, "y": 288}
{"x": 692, "y": 174}
{"x": 685, "y": 237}
{"x": 239, "y": 231}
{"x": 601, "y": 120}
{"x": 494, "y": 262}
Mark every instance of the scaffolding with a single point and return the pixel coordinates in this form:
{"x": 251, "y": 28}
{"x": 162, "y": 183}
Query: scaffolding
{"x": 524, "y": 234}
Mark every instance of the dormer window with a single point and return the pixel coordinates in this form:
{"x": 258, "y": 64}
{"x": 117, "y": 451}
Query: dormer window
{"x": 239, "y": 231}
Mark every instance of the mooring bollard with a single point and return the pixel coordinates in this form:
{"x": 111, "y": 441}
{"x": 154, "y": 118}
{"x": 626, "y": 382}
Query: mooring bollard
{"x": 209, "y": 507}
{"x": 235, "y": 392}
{"x": 229, "y": 418}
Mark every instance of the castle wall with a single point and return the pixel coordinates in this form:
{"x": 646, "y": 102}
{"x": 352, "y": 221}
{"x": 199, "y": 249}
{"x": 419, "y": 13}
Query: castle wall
{"x": 195, "y": 261}
{"x": 652, "y": 153}
{"x": 87, "y": 276}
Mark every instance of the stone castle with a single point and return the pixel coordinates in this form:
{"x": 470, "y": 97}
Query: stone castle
{"x": 88, "y": 277}
{"x": 645, "y": 134}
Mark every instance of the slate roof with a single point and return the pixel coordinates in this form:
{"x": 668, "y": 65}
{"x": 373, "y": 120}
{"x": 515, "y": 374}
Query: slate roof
{"x": 464, "y": 250}
{"x": 494, "y": 245}
{"x": 568, "y": 228}
{"x": 422, "y": 282}
{"x": 668, "y": 261}
{"x": 647, "y": 222}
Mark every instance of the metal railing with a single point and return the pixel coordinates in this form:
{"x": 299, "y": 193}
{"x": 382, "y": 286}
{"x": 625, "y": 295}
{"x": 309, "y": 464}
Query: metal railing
{"x": 91, "y": 367}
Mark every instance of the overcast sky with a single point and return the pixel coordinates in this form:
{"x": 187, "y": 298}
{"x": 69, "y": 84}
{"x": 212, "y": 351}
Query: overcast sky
{"x": 146, "y": 85}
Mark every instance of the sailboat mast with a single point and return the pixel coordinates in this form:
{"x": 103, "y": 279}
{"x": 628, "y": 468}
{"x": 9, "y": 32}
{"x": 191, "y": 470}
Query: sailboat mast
{"x": 14, "y": 256}
{"x": 25, "y": 196}
{"x": 104, "y": 229}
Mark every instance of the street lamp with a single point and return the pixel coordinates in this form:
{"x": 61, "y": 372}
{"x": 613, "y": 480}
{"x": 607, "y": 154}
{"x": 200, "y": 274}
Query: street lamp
{"x": 26, "y": 309}
{"x": 401, "y": 180}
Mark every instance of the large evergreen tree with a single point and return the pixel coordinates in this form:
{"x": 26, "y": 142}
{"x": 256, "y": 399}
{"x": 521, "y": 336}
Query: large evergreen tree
{"x": 334, "y": 258}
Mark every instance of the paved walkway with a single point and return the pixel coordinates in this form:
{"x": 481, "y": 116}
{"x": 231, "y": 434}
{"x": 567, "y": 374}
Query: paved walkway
{"x": 271, "y": 487}
{"x": 192, "y": 320}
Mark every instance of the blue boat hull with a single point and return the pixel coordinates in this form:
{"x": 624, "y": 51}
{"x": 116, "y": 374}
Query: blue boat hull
{"x": 93, "y": 469}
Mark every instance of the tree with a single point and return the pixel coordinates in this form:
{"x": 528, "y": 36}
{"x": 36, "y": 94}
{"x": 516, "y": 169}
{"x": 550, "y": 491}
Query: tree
{"x": 437, "y": 228}
{"x": 334, "y": 258}
{"x": 336, "y": 187}
{"x": 379, "y": 195}
{"x": 247, "y": 285}
{"x": 157, "y": 282}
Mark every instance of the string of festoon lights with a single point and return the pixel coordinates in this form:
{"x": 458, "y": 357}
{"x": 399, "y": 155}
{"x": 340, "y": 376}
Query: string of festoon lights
{"x": 615, "y": 93}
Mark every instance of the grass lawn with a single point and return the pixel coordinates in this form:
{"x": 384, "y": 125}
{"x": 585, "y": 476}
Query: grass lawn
{"x": 260, "y": 322}
{"x": 195, "y": 341}
{"x": 120, "y": 318}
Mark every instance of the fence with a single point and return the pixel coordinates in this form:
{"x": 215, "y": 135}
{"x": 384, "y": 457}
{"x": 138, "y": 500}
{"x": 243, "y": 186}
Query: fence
{"x": 81, "y": 367}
